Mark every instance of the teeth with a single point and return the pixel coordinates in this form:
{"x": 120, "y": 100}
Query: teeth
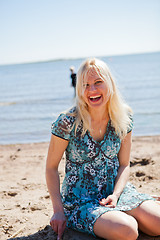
{"x": 95, "y": 96}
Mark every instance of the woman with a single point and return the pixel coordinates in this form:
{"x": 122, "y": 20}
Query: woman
{"x": 96, "y": 137}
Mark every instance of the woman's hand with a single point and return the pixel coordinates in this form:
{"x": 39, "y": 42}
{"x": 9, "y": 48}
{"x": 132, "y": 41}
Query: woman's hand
{"x": 110, "y": 201}
{"x": 58, "y": 223}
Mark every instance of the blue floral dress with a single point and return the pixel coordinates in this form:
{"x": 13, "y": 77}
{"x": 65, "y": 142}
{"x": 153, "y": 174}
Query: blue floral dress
{"x": 90, "y": 172}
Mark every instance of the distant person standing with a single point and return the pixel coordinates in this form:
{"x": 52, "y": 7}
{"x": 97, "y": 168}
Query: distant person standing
{"x": 73, "y": 77}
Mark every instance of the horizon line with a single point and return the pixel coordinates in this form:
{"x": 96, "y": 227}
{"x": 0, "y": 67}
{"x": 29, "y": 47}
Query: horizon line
{"x": 76, "y": 58}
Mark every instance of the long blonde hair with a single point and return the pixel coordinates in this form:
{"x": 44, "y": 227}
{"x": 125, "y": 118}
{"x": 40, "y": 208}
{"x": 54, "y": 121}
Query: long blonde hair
{"x": 119, "y": 111}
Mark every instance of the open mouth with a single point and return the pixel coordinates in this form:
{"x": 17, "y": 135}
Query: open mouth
{"x": 95, "y": 98}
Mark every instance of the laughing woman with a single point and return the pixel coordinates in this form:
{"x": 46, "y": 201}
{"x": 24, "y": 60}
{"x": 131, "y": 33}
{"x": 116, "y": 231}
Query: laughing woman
{"x": 96, "y": 196}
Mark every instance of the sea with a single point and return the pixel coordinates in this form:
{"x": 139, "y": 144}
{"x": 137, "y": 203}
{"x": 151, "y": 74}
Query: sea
{"x": 33, "y": 94}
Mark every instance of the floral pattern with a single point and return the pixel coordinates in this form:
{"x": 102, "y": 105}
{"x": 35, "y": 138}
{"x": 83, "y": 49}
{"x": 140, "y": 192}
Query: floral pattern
{"x": 90, "y": 172}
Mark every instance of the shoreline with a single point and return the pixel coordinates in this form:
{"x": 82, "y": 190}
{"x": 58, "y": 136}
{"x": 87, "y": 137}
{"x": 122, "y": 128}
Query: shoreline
{"x": 25, "y": 203}
{"x": 36, "y": 142}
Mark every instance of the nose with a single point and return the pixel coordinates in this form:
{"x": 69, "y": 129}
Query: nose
{"x": 92, "y": 87}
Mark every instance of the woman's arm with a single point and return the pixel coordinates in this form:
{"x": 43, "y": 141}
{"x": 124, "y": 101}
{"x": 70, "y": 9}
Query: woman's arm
{"x": 55, "y": 152}
{"x": 124, "y": 165}
{"x": 123, "y": 172}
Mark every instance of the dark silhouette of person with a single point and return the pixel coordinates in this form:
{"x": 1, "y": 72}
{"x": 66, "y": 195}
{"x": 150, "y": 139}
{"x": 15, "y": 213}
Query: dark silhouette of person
{"x": 73, "y": 77}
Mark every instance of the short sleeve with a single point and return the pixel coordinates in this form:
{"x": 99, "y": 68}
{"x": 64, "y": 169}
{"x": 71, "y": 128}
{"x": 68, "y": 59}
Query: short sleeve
{"x": 62, "y": 126}
{"x": 130, "y": 127}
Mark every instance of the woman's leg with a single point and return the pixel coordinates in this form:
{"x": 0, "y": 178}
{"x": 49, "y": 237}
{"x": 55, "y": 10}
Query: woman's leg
{"x": 116, "y": 225}
{"x": 148, "y": 217}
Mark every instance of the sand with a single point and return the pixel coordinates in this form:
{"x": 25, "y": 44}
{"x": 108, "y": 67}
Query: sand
{"x": 25, "y": 203}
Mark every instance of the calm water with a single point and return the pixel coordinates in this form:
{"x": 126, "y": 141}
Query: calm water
{"x": 31, "y": 95}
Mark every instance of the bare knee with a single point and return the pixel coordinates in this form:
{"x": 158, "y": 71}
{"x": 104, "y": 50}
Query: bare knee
{"x": 148, "y": 217}
{"x": 129, "y": 231}
{"x": 125, "y": 232}
{"x": 116, "y": 226}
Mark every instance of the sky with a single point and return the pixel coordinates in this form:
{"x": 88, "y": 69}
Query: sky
{"x": 43, "y": 30}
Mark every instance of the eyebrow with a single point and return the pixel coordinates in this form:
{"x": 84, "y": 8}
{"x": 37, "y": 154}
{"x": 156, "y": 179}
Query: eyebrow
{"x": 96, "y": 79}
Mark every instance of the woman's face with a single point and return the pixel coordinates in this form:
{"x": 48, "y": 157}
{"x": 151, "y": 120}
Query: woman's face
{"x": 96, "y": 93}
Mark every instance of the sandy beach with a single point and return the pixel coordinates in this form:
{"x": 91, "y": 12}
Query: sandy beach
{"x": 25, "y": 203}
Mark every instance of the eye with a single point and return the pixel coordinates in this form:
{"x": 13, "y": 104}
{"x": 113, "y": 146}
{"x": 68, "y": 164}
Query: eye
{"x": 98, "y": 82}
{"x": 86, "y": 85}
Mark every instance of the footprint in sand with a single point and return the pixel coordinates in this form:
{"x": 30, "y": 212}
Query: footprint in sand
{"x": 12, "y": 194}
{"x": 141, "y": 161}
{"x": 13, "y": 157}
{"x": 140, "y": 174}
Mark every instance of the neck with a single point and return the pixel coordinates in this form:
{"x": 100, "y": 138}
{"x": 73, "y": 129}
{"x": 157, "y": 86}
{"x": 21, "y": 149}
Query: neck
{"x": 99, "y": 115}
{"x": 99, "y": 123}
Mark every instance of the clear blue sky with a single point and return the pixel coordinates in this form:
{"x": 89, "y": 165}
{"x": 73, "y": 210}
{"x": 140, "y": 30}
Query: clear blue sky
{"x": 37, "y": 30}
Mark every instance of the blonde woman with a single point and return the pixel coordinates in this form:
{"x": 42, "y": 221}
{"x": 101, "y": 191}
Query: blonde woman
{"x": 96, "y": 137}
